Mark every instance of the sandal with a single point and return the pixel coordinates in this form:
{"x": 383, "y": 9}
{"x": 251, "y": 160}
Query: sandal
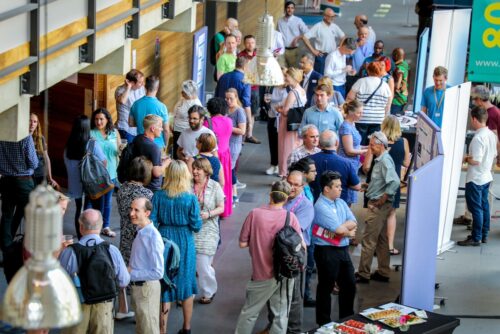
{"x": 108, "y": 233}
{"x": 206, "y": 301}
{"x": 394, "y": 251}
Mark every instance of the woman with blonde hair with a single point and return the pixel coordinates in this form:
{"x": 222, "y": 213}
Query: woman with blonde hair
{"x": 289, "y": 140}
{"x": 176, "y": 215}
{"x": 211, "y": 200}
{"x": 399, "y": 150}
{"x": 35, "y": 131}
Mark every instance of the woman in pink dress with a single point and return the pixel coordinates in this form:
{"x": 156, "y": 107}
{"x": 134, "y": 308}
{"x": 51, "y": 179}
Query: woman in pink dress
{"x": 222, "y": 126}
{"x": 289, "y": 140}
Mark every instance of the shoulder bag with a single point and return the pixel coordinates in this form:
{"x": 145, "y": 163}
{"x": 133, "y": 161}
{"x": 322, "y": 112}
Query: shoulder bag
{"x": 294, "y": 117}
{"x": 376, "y": 89}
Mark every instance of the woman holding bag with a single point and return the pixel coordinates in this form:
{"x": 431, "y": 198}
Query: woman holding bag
{"x": 289, "y": 140}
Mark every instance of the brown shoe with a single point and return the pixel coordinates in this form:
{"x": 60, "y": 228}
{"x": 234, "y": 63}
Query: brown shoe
{"x": 462, "y": 221}
{"x": 252, "y": 140}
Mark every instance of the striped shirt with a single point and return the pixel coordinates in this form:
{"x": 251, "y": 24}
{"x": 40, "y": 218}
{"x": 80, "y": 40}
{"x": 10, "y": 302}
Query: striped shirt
{"x": 374, "y": 110}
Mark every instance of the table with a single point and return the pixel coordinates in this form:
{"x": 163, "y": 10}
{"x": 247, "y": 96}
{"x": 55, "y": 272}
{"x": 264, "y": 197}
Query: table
{"x": 436, "y": 324}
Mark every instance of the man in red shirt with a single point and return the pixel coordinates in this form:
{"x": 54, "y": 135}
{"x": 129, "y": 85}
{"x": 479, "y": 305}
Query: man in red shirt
{"x": 258, "y": 233}
{"x": 481, "y": 97}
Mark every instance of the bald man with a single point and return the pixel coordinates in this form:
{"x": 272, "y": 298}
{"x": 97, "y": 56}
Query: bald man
{"x": 324, "y": 44}
{"x": 361, "y": 20}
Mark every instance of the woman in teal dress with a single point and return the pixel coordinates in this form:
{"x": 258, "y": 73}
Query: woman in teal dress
{"x": 176, "y": 215}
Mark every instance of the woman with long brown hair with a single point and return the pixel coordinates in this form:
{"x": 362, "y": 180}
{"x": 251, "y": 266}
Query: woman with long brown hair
{"x": 44, "y": 164}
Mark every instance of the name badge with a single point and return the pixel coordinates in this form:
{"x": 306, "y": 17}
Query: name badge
{"x": 334, "y": 211}
{"x": 314, "y": 81}
{"x": 324, "y": 122}
{"x": 437, "y": 114}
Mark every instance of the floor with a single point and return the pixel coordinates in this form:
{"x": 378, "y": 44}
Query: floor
{"x": 469, "y": 277}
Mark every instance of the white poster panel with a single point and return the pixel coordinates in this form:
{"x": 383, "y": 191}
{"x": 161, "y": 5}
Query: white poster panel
{"x": 455, "y": 114}
{"x": 448, "y": 46}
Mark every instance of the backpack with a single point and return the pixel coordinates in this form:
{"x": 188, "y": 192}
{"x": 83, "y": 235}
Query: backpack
{"x": 125, "y": 159}
{"x": 172, "y": 257}
{"x": 288, "y": 253}
{"x": 96, "y": 272}
{"x": 95, "y": 178}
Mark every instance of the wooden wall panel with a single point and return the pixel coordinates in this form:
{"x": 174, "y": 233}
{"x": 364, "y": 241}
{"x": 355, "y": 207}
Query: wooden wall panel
{"x": 221, "y": 15}
{"x": 250, "y": 10}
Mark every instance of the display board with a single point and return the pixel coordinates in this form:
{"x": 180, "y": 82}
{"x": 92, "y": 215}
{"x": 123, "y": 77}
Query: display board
{"x": 200, "y": 42}
{"x": 423, "y": 44}
{"x": 484, "y": 58}
{"x": 426, "y": 143}
{"x": 453, "y": 129}
{"x": 448, "y": 44}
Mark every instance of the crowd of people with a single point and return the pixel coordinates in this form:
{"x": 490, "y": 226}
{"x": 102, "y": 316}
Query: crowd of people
{"x": 350, "y": 94}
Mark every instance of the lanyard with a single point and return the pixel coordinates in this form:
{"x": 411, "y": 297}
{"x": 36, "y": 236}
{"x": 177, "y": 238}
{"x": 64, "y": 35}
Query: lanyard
{"x": 297, "y": 203}
{"x": 438, "y": 104}
{"x": 201, "y": 195}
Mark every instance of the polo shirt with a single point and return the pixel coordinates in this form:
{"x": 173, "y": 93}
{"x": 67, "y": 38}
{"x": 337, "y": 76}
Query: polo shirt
{"x": 148, "y": 105}
{"x": 290, "y": 28}
{"x": 329, "y": 119}
{"x": 325, "y": 36}
{"x": 434, "y": 102}
{"x": 226, "y": 63}
{"x": 330, "y": 214}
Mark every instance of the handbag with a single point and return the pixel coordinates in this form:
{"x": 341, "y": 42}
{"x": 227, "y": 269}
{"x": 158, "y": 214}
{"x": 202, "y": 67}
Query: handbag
{"x": 294, "y": 117}
{"x": 95, "y": 178}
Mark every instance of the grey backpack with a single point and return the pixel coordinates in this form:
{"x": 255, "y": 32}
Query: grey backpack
{"x": 95, "y": 178}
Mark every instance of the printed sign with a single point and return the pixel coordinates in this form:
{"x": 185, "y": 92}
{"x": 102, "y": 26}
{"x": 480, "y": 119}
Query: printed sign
{"x": 200, "y": 42}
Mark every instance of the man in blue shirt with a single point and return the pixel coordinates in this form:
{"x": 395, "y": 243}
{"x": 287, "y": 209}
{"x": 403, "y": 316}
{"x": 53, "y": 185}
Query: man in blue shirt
{"x": 97, "y": 318}
{"x": 18, "y": 160}
{"x": 334, "y": 223}
{"x": 323, "y": 115}
{"x": 150, "y": 105}
{"x": 146, "y": 267}
{"x": 433, "y": 97}
{"x": 328, "y": 159}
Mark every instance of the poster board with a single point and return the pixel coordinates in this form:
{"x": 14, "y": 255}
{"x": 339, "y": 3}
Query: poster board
{"x": 418, "y": 92}
{"x": 426, "y": 143}
{"x": 200, "y": 42}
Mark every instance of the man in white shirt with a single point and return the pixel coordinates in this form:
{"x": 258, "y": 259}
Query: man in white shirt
{"x": 326, "y": 35}
{"x": 336, "y": 67}
{"x": 146, "y": 268}
{"x": 291, "y": 27}
{"x": 482, "y": 153}
{"x": 362, "y": 21}
{"x": 125, "y": 96}
{"x": 187, "y": 140}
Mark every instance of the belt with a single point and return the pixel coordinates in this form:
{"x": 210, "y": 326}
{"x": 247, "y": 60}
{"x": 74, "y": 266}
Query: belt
{"x": 291, "y": 48}
{"x": 138, "y": 283}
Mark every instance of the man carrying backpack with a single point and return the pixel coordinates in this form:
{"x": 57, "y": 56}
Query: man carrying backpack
{"x": 100, "y": 270}
{"x": 146, "y": 268}
{"x": 258, "y": 233}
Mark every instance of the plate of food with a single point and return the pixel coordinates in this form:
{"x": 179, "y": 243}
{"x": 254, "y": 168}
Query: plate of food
{"x": 408, "y": 319}
{"x": 343, "y": 329}
{"x": 376, "y": 314}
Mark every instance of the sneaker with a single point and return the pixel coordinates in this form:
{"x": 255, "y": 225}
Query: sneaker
{"x": 276, "y": 169}
{"x": 272, "y": 170}
{"x": 236, "y": 199}
{"x": 468, "y": 242}
{"x": 121, "y": 316}
{"x": 252, "y": 140}
{"x": 377, "y": 277}
{"x": 240, "y": 185}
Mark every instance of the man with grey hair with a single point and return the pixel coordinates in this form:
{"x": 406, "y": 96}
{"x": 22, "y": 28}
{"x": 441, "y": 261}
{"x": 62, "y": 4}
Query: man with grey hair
{"x": 77, "y": 261}
{"x": 150, "y": 105}
{"x": 311, "y": 77}
{"x": 380, "y": 193}
{"x": 310, "y": 140}
{"x": 328, "y": 159}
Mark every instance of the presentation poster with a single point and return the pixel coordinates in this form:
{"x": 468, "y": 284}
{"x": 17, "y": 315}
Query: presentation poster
{"x": 426, "y": 143}
{"x": 200, "y": 42}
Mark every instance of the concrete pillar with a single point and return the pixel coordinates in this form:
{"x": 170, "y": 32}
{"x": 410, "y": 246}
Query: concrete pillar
{"x": 14, "y": 122}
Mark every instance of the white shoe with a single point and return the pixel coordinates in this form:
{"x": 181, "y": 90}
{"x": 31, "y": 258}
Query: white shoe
{"x": 240, "y": 185}
{"x": 121, "y": 316}
{"x": 272, "y": 170}
{"x": 276, "y": 169}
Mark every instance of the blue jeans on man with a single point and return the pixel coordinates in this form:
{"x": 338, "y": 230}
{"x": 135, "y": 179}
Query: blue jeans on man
{"x": 478, "y": 205}
{"x": 319, "y": 63}
{"x": 340, "y": 89}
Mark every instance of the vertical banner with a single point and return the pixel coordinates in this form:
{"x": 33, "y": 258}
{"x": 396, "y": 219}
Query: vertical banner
{"x": 200, "y": 42}
{"x": 484, "y": 58}
{"x": 455, "y": 115}
{"x": 423, "y": 44}
{"x": 448, "y": 46}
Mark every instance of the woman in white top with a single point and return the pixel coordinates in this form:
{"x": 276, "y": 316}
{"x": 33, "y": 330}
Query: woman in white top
{"x": 189, "y": 98}
{"x": 289, "y": 140}
{"x": 376, "y": 96}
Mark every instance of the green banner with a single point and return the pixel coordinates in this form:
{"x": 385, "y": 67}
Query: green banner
{"x": 484, "y": 58}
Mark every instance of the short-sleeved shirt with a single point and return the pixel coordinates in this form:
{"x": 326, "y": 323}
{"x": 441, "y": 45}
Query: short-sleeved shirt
{"x": 374, "y": 110}
{"x": 329, "y": 119}
{"x": 226, "y": 63}
{"x": 147, "y": 148}
{"x": 187, "y": 140}
{"x": 148, "y": 105}
{"x": 237, "y": 117}
{"x": 109, "y": 146}
{"x": 124, "y": 109}
{"x": 483, "y": 149}
{"x": 325, "y": 36}
{"x": 291, "y": 27}
{"x": 303, "y": 209}
{"x": 181, "y": 122}
{"x": 330, "y": 214}
{"x": 493, "y": 121}
{"x": 384, "y": 179}
{"x": 433, "y": 100}
{"x": 259, "y": 230}
{"x": 401, "y": 96}
{"x": 234, "y": 79}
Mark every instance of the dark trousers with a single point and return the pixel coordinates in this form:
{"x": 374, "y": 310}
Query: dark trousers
{"x": 272, "y": 135}
{"x": 319, "y": 63}
{"x": 15, "y": 193}
{"x": 366, "y": 130}
{"x": 334, "y": 265}
{"x": 309, "y": 271}
{"x": 478, "y": 205}
{"x": 78, "y": 211}
{"x": 177, "y": 134}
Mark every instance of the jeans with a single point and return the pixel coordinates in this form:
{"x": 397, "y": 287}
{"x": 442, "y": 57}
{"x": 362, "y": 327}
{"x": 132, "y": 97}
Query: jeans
{"x": 478, "y": 205}
{"x": 340, "y": 89}
{"x": 334, "y": 265}
{"x": 366, "y": 130}
{"x": 15, "y": 192}
{"x": 102, "y": 204}
{"x": 319, "y": 63}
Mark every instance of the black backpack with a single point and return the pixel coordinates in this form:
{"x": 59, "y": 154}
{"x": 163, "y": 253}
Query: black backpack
{"x": 288, "y": 253}
{"x": 96, "y": 272}
{"x": 126, "y": 158}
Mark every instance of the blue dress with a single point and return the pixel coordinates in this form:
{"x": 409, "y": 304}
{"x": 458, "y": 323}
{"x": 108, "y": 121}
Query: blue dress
{"x": 177, "y": 218}
{"x": 346, "y": 129}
